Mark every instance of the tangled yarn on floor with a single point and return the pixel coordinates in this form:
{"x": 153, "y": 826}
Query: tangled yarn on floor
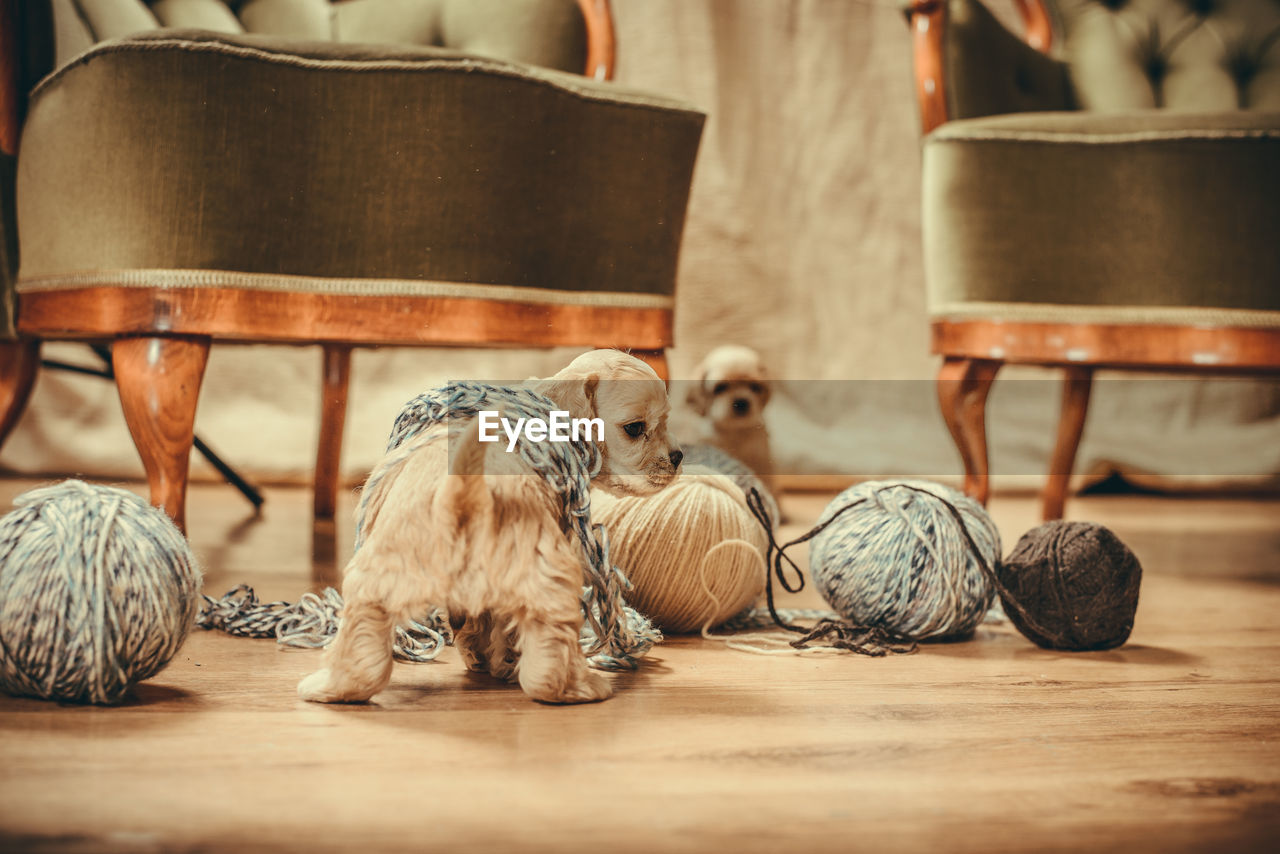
{"x": 312, "y": 621}
{"x": 97, "y": 593}
{"x": 613, "y": 634}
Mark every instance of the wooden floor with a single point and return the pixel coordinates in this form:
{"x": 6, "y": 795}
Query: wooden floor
{"x": 1171, "y": 743}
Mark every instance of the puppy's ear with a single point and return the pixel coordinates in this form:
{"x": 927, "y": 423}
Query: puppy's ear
{"x": 575, "y": 394}
{"x": 698, "y": 398}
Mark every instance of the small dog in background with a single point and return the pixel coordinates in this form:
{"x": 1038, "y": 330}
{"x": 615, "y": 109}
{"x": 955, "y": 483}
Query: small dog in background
{"x": 730, "y": 390}
{"x": 492, "y": 549}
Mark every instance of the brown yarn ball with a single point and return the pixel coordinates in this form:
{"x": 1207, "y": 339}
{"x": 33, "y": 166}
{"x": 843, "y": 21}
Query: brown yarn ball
{"x": 1073, "y": 586}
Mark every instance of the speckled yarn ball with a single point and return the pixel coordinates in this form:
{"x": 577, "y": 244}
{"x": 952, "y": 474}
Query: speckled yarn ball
{"x": 899, "y": 559}
{"x": 98, "y": 590}
{"x": 1076, "y": 581}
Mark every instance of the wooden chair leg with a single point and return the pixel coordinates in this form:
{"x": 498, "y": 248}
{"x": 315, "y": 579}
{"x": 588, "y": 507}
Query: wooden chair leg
{"x": 333, "y": 415}
{"x": 1076, "y": 386}
{"x": 963, "y": 385}
{"x": 656, "y": 359}
{"x": 158, "y": 379}
{"x": 19, "y": 364}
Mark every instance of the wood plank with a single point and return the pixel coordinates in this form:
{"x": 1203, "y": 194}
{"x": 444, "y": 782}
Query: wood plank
{"x": 1169, "y": 743}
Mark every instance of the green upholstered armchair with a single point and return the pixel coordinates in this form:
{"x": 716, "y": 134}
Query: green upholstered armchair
{"x": 1102, "y": 194}
{"x": 438, "y": 172}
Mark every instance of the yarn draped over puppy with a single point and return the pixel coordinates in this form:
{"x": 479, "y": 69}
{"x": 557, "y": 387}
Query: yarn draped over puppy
{"x": 613, "y": 634}
{"x": 693, "y": 552}
{"x": 98, "y": 590}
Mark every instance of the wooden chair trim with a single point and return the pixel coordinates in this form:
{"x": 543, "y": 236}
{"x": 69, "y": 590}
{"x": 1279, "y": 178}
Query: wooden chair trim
{"x": 928, "y": 19}
{"x": 1111, "y": 345}
{"x": 1038, "y": 28}
{"x": 601, "y": 45}
{"x": 232, "y": 314}
{"x": 10, "y": 72}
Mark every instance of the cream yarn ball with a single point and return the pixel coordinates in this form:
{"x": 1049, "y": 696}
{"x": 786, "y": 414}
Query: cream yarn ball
{"x": 694, "y": 553}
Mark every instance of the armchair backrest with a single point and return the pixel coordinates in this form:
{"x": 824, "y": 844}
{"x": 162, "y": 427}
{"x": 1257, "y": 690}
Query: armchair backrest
{"x": 549, "y": 33}
{"x": 1190, "y": 55}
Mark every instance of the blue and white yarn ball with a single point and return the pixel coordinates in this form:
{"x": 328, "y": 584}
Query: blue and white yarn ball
{"x": 98, "y": 590}
{"x": 899, "y": 560}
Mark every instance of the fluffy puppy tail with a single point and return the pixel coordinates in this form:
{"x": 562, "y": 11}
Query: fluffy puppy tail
{"x": 465, "y": 494}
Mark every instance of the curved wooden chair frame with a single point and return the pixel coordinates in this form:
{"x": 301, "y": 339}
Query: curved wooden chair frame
{"x": 973, "y": 350}
{"x": 161, "y": 337}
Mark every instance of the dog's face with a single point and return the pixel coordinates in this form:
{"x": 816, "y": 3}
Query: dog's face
{"x": 731, "y": 388}
{"x": 638, "y": 456}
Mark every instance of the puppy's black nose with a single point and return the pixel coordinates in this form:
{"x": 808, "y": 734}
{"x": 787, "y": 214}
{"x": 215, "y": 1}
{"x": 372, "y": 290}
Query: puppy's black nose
{"x": 741, "y": 406}
{"x": 676, "y": 457}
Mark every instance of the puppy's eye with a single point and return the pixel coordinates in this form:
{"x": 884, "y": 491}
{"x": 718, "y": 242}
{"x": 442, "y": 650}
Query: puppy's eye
{"x": 720, "y": 388}
{"x": 756, "y": 388}
{"x": 635, "y": 429}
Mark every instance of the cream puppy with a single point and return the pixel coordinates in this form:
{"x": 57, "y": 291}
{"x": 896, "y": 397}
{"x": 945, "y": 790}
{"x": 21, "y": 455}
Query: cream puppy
{"x": 483, "y": 537}
{"x": 730, "y": 390}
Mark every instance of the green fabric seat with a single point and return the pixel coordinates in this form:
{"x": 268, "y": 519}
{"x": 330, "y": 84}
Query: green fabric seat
{"x": 1147, "y": 216}
{"x": 188, "y": 158}
{"x": 1132, "y": 176}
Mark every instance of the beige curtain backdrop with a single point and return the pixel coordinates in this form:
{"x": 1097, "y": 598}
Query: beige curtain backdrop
{"x": 803, "y": 241}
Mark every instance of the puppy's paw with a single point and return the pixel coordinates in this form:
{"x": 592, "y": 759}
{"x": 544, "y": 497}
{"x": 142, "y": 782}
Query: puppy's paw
{"x": 591, "y": 688}
{"x": 473, "y": 662}
{"x": 505, "y": 668}
{"x": 320, "y": 687}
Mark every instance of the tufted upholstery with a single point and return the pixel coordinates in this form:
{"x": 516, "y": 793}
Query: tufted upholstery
{"x": 1193, "y": 55}
{"x": 547, "y": 33}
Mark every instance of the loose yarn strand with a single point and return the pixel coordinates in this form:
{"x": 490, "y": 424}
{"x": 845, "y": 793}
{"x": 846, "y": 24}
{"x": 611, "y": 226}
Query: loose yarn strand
{"x": 838, "y": 634}
{"x": 702, "y": 574}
